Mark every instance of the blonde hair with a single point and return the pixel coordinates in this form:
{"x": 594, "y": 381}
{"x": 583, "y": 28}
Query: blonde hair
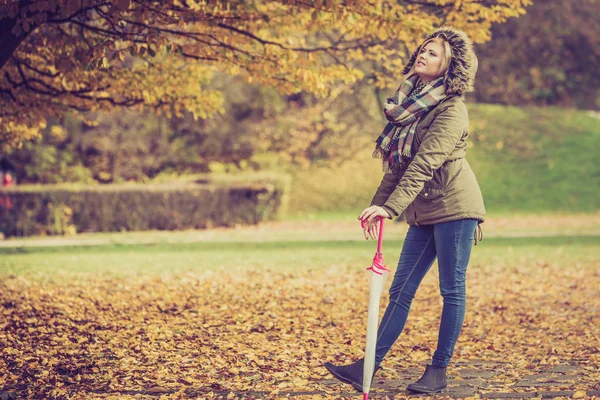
{"x": 446, "y": 57}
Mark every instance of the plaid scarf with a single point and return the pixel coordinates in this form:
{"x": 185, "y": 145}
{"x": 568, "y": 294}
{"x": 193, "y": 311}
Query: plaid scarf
{"x": 403, "y": 113}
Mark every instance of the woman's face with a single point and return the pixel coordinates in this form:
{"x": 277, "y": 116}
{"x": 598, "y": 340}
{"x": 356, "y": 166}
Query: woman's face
{"x": 429, "y": 62}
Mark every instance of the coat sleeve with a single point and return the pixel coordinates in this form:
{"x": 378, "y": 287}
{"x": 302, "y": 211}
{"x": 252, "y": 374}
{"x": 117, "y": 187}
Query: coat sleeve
{"x": 386, "y": 187}
{"x": 442, "y": 137}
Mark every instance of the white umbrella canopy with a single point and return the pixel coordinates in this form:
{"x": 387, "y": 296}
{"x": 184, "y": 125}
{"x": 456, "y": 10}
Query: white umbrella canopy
{"x": 378, "y": 275}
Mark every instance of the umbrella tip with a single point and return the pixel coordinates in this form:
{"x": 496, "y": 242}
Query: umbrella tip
{"x": 365, "y": 396}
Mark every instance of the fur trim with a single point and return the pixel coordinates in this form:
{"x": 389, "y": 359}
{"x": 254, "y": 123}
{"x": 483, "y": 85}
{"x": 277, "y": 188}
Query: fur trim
{"x": 460, "y": 77}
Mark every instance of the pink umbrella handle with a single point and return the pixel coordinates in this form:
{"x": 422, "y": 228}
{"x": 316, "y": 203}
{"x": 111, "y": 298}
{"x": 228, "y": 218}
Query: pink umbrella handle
{"x": 380, "y": 238}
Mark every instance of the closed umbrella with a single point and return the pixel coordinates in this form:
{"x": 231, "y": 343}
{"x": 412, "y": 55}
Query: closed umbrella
{"x": 378, "y": 275}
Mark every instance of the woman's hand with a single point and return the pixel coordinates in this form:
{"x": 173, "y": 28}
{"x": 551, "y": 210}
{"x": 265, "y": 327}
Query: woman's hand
{"x": 369, "y": 215}
{"x": 388, "y": 106}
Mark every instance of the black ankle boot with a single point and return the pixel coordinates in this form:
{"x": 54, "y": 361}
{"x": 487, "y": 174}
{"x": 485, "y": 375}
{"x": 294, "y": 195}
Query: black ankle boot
{"x": 432, "y": 381}
{"x": 352, "y": 374}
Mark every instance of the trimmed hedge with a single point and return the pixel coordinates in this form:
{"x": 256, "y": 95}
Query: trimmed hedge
{"x": 64, "y": 209}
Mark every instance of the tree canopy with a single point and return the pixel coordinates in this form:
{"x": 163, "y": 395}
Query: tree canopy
{"x": 89, "y": 55}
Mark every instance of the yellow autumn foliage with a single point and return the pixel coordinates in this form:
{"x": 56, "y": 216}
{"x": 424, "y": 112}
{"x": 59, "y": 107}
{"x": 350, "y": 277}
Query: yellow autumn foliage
{"x": 87, "y": 55}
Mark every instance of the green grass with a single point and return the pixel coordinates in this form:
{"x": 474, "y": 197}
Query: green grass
{"x": 536, "y": 159}
{"x": 70, "y": 262}
{"x": 527, "y": 160}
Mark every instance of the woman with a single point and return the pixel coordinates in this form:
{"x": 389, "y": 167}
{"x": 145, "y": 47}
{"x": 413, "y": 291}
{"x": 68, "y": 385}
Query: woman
{"x": 428, "y": 179}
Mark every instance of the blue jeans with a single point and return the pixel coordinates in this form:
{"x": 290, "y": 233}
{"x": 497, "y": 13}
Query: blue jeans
{"x": 451, "y": 243}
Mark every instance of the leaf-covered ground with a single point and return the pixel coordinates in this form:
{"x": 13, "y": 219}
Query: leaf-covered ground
{"x": 263, "y": 331}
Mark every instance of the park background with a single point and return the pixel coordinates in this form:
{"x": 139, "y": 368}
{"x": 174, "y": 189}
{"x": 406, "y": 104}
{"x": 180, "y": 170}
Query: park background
{"x": 274, "y": 283}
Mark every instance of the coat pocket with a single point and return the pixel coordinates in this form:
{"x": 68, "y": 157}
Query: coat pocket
{"x": 442, "y": 180}
{"x": 430, "y": 192}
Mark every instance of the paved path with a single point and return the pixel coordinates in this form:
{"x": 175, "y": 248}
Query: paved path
{"x": 520, "y": 226}
{"x": 480, "y": 379}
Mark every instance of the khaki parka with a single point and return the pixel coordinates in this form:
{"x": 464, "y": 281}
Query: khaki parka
{"x": 438, "y": 185}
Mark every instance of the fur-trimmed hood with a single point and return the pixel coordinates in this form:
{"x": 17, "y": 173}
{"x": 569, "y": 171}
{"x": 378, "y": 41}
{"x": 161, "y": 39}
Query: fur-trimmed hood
{"x": 460, "y": 77}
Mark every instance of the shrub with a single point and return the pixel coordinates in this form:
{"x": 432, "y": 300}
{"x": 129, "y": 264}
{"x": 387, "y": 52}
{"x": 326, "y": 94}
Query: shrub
{"x": 66, "y": 209}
